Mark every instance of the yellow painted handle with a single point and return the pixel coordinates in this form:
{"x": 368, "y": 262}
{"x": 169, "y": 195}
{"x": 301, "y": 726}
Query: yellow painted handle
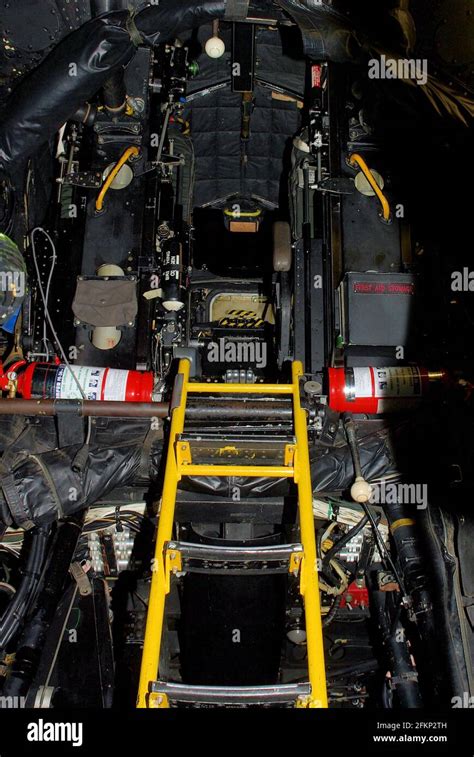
{"x": 129, "y": 152}
{"x": 358, "y": 160}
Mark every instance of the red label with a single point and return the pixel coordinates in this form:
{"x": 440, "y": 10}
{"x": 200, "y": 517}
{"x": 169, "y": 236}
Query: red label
{"x": 374, "y": 287}
{"x": 316, "y": 75}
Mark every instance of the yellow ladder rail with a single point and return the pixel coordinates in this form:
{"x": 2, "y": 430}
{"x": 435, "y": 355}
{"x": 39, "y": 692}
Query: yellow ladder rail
{"x": 299, "y": 470}
{"x": 309, "y": 582}
{"x": 159, "y": 583}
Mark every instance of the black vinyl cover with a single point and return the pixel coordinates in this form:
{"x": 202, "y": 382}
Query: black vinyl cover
{"x": 78, "y": 67}
{"x": 73, "y": 72}
{"x": 83, "y": 61}
{"x": 326, "y": 32}
{"x": 332, "y": 471}
{"x": 39, "y": 484}
{"x": 124, "y": 451}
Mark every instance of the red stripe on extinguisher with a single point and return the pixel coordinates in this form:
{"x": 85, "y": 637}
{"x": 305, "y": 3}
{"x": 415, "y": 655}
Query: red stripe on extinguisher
{"x": 104, "y": 381}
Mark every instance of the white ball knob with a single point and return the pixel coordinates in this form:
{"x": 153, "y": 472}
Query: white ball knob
{"x": 361, "y": 491}
{"x": 215, "y": 47}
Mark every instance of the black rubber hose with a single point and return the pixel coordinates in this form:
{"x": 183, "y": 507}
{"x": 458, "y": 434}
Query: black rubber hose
{"x": 404, "y": 678}
{"x": 105, "y": 6}
{"x": 114, "y": 93}
{"x": 34, "y": 635}
{"x": 16, "y": 611}
{"x": 429, "y": 576}
{"x": 52, "y": 93}
{"x": 363, "y": 667}
{"x": 86, "y": 114}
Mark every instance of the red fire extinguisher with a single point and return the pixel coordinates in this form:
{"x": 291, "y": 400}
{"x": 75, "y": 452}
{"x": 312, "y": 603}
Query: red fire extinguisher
{"x": 374, "y": 391}
{"x": 58, "y": 381}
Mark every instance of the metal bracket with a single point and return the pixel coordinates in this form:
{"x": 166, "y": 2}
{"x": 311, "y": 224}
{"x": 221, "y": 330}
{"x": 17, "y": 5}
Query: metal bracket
{"x": 81, "y": 579}
{"x": 86, "y": 179}
{"x": 157, "y": 700}
{"x": 336, "y": 185}
{"x": 173, "y": 564}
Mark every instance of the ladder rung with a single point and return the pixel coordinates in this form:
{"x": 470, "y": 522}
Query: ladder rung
{"x": 266, "y": 389}
{"x": 208, "y": 558}
{"x": 207, "y": 449}
{"x": 250, "y": 471}
{"x": 222, "y": 696}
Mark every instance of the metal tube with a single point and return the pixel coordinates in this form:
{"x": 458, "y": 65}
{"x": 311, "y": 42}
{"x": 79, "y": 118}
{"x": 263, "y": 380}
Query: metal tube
{"x": 200, "y": 388}
{"x": 252, "y": 471}
{"x": 219, "y": 411}
{"x": 85, "y": 408}
{"x": 230, "y": 410}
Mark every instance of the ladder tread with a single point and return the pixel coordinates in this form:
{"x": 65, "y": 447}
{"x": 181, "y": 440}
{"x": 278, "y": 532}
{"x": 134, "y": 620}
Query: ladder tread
{"x": 232, "y": 695}
{"x": 207, "y": 558}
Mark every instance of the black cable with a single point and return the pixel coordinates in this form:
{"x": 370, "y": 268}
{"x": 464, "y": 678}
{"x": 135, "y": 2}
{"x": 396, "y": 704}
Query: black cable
{"x": 386, "y": 695}
{"x": 33, "y": 637}
{"x": 351, "y": 434}
{"x": 15, "y": 613}
{"x": 7, "y": 206}
{"x": 332, "y": 612}
{"x": 382, "y": 547}
{"x": 360, "y": 668}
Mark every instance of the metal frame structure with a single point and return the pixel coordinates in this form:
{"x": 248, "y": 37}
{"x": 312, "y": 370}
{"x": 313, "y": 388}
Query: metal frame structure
{"x": 302, "y": 560}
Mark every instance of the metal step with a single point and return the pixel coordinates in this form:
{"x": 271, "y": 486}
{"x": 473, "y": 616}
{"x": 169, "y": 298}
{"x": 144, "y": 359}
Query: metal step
{"x": 228, "y": 696}
{"x": 206, "y": 558}
{"x": 204, "y": 507}
{"x": 238, "y": 449}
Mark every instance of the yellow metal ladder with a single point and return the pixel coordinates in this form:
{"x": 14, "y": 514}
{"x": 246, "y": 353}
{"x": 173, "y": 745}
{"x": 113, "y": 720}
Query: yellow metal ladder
{"x": 175, "y": 557}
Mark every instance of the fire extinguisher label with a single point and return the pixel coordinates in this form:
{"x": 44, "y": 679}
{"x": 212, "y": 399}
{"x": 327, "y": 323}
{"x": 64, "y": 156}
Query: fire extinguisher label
{"x": 397, "y": 382}
{"x": 115, "y": 385}
{"x": 90, "y": 380}
{"x": 96, "y": 383}
{"x": 363, "y": 382}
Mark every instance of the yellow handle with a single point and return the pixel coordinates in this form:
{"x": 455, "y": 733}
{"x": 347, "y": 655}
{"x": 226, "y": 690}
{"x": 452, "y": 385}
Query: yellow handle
{"x": 358, "y": 160}
{"x": 107, "y": 183}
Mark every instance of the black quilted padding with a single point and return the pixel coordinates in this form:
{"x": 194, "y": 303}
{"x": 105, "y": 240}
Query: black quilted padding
{"x": 224, "y": 164}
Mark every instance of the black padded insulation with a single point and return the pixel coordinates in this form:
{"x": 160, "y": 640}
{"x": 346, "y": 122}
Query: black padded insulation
{"x": 327, "y": 33}
{"x": 220, "y": 168}
{"x": 39, "y": 482}
{"x": 79, "y": 66}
